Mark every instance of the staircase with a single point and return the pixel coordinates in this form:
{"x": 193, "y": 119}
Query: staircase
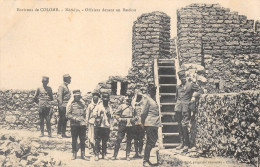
{"x": 166, "y": 81}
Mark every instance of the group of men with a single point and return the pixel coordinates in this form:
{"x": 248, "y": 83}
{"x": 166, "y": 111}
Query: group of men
{"x": 137, "y": 116}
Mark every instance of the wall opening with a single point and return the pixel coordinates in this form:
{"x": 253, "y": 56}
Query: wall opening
{"x": 119, "y": 88}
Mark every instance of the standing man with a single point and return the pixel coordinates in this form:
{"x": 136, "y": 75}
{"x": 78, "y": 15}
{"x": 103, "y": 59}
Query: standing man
{"x": 91, "y": 120}
{"x": 63, "y": 98}
{"x": 186, "y": 94}
{"x": 150, "y": 119}
{"x": 76, "y": 113}
{"x": 125, "y": 115}
{"x": 102, "y": 115}
{"x": 43, "y": 96}
{"x": 139, "y": 131}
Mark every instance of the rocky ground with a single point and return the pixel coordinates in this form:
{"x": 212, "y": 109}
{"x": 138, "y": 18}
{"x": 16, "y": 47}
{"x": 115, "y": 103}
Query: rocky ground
{"x": 53, "y": 152}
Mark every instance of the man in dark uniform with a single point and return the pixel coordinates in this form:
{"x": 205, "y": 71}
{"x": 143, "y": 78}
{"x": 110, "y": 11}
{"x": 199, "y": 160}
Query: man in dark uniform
{"x": 43, "y": 96}
{"x": 102, "y": 114}
{"x": 63, "y": 98}
{"x": 76, "y": 113}
{"x": 186, "y": 94}
{"x": 125, "y": 115}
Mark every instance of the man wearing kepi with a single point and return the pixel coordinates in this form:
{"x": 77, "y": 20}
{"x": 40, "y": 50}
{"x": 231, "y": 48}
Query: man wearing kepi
{"x": 63, "y": 98}
{"x": 76, "y": 113}
{"x": 150, "y": 119}
{"x": 90, "y": 118}
{"x": 186, "y": 94}
{"x": 102, "y": 114}
{"x": 43, "y": 96}
{"x": 126, "y": 117}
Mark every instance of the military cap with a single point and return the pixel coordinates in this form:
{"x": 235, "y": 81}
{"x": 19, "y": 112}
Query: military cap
{"x": 128, "y": 98}
{"x": 96, "y": 94}
{"x": 45, "y": 78}
{"x": 181, "y": 73}
{"x": 66, "y": 76}
{"x": 76, "y": 92}
{"x": 105, "y": 96}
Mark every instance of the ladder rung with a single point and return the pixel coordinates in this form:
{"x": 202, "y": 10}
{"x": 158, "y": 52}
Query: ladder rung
{"x": 169, "y": 123}
{"x": 165, "y": 59}
{"x": 170, "y": 134}
{"x": 168, "y": 113}
{"x": 171, "y": 144}
{"x": 167, "y": 104}
{"x": 174, "y": 76}
{"x": 166, "y": 67}
{"x": 165, "y": 94}
{"x": 167, "y": 84}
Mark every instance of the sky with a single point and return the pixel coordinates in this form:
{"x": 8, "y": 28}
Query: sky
{"x": 90, "y": 46}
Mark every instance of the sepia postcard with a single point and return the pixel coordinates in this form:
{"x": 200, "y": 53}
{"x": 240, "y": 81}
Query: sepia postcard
{"x": 130, "y": 83}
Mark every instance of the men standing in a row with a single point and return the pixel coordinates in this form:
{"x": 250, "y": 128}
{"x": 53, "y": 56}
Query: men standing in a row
{"x": 150, "y": 119}
{"x": 43, "y": 96}
{"x": 63, "y": 98}
{"x": 125, "y": 115}
{"x": 91, "y": 119}
{"x": 102, "y": 115}
{"x": 186, "y": 94}
{"x": 76, "y": 113}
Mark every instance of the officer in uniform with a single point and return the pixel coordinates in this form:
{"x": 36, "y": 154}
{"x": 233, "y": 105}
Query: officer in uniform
{"x": 43, "y": 96}
{"x": 125, "y": 115}
{"x": 150, "y": 119}
{"x": 102, "y": 114}
{"x": 63, "y": 98}
{"x": 76, "y": 113}
{"x": 186, "y": 94}
{"x": 139, "y": 131}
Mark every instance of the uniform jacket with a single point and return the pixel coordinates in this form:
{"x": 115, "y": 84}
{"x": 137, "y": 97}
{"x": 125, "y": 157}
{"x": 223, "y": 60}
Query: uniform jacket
{"x": 63, "y": 95}
{"x": 76, "y": 113}
{"x": 43, "y": 96}
{"x": 150, "y": 113}
{"x": 184, "y": 95}
{"x": 126, "y": 113}
{"x": 91, "y": 107}
{"x": 104, "y": 113}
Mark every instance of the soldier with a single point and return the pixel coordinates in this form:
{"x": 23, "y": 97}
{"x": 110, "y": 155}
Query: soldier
{"x": 63, "y": 98}
{"x": 150, "y": 119}
{"x": 76, "y": 113}
{"x": 43, "y": 96}
{"x": 186, "y": 94}
{"x": 90, "y": 118}
{"x": 125, "y": 115}
{"x": 102, "y": 115}
{"x": 139, "y": 131}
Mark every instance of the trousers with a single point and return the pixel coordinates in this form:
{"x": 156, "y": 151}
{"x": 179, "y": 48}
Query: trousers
{"x": 78, "y": 131}
{"x": 122, "y": 130}
{"x": 62, "y": 123}
{"x": 44, "y": 114}
{"x": 152, "y": 137}
{"x": 183, "y": 119}
{"x": 101, "y": 134}
{"x": 139, "y": 133}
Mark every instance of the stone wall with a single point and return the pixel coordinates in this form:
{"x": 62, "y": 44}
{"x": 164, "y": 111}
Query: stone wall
{"x": 18, "y": 111}
{"x": 225, "y": 43}
{"x": 229, "y": 125}
{"x": 151, "y": 39}
{"x": 173, "y": 52}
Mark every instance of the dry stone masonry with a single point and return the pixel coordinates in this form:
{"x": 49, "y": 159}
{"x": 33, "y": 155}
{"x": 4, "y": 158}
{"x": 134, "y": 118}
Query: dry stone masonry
{"x": 225, "y": 43}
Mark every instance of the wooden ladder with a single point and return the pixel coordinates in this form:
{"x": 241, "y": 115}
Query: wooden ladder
{"x": 166, "y": 81}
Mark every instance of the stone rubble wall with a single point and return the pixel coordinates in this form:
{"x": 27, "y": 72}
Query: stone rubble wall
{"x": 229, "y": 125}
{"x": 225, "y": 43}
{"x": 151, "y": 39}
